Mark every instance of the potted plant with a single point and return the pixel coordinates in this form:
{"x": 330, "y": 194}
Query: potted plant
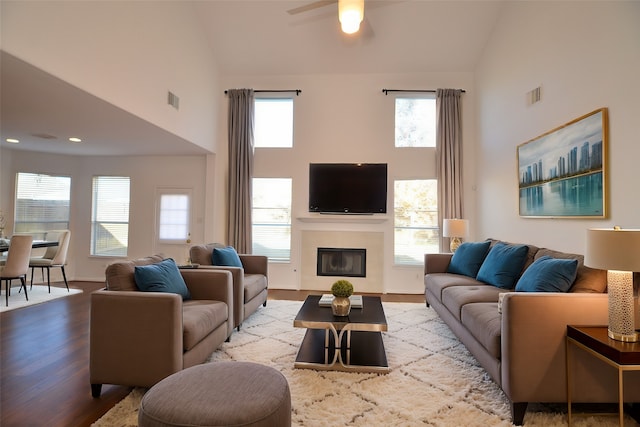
{"x": 341, "y": 304}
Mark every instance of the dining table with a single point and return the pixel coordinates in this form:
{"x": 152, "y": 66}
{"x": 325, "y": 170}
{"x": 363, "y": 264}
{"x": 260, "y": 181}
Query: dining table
{"x": 4, "y": 244}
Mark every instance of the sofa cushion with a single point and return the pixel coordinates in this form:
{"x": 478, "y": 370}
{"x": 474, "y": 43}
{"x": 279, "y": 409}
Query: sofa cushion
{"x": 456, "y": 297}
{"x": 468, "y": 258}
{"x": 163, "y": 276}
{"x": 437, "y": 282}
{"x": 503, "y": 265}
{"x": 119, "y": 276}
{"x": 254, "y": 284}
{"x": 484, "y": 322}
{"x": 200, "y": 318}
{"x": 226, "y": 257}
{"x": 531, "y": 253}
{"x": 588, "y": 280}
{"x": 548, "y": 274}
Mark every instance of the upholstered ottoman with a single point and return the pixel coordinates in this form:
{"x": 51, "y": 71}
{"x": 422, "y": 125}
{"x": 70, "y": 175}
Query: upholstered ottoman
{"x": 219, "y": 394}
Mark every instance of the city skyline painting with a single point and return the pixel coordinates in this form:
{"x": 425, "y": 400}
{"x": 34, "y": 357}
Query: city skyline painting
{"x": 562, "y": 172}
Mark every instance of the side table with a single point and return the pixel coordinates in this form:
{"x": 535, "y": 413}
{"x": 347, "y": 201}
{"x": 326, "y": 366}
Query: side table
{"x": 594, "y": 340}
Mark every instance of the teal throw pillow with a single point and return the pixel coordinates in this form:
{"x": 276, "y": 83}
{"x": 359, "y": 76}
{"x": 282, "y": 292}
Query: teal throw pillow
{"x": 503, "y": 265}
{"x": 468, "y": 258}
{"x": 163, "y": 276}
{"x": 226, "y": 256}
{"x": 548, "y": 274}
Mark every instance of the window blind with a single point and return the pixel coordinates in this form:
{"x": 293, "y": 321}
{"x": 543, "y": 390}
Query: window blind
{"x": 110, "y": 216}
{"x": 42, "y": 203}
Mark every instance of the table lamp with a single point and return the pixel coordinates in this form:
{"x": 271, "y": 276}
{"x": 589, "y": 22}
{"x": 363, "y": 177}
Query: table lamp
{"x": 617, "y": 251}
{"x": 455, "y": 229}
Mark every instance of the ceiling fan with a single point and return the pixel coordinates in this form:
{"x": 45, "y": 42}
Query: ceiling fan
{"x": 350, "y": 12}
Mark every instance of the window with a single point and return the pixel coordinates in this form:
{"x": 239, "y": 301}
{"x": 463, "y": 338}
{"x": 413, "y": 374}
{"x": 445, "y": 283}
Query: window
{"x": 110, "y": 216}
{"x": 415, "y": 220}
{"x": 271, "y": 213}
{"x": 42, "y": 203}
{"x": 174, "y": 207}
{"x": 415, "y": 122}
{"x": 273, "y": 127}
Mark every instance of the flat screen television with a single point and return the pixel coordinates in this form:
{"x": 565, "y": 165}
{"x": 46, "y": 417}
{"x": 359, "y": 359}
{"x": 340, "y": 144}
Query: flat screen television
{"x": 348, "y": 188}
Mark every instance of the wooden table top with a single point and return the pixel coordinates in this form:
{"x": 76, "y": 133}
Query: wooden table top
{"x": 596, "y": 338}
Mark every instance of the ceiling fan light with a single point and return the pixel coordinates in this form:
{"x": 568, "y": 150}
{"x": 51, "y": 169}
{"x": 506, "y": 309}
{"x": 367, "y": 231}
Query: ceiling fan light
{"x": 350, "y": 14}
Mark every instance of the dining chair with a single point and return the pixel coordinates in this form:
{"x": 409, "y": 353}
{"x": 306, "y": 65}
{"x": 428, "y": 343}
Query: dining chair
{"x": 17, "y": 264}
{"x": 49, "y": 253}
{"x": 55, "y": 256}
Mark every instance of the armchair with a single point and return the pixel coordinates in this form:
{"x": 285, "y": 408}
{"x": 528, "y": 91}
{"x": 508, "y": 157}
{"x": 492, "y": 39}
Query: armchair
{"x": 250, "y": 282}
{"x": 138, "y": 338}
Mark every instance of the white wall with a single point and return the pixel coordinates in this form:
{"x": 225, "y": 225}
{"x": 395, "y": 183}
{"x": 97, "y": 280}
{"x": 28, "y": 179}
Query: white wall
{"x": 347, "y": 118}
{"x": 128, "y": 53}
{"x": 147, "y": 174}
{"x": 585, "y": 55}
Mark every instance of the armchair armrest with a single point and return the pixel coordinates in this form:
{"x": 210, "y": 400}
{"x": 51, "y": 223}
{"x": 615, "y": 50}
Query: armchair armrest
{"x": 209, "y": 284}
{"x": 436, "y": 263}
{"x": 128, "y": 329}
{"x": 255, "y": 264}
{"x": 237, "y": 292}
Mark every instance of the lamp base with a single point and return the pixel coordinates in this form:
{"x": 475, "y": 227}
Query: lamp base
{"x": 621, "y": 306}
{"x": 623, "y": 337}
{"x": 455, "y": 244}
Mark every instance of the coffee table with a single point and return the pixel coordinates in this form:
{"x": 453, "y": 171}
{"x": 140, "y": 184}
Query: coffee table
{"x": 359, "y": 336}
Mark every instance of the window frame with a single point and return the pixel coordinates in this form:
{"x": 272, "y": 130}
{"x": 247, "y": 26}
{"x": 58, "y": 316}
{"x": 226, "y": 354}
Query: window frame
{"x": 435, "y": 228}
{"x": 42, "y": 232}
{"x": 160, "y": 192}
{"x": 263, "y": 97}
{"x": 418, "y": 96}
{"x": 94, "y": 221}
{"x": 283, "y": 259}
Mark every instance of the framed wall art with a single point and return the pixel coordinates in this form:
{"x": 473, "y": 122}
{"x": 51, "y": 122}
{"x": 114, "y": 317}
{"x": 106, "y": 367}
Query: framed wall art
{"x": 562, "y": 173}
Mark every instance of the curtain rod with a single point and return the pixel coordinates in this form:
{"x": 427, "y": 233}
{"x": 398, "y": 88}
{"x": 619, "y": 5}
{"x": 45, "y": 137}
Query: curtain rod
{"x": 386, "y": 91}
{"x": 297, "y": 91}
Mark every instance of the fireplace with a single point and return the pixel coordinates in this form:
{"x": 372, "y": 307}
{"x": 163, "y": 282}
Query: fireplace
{"x": 342, "y": 262}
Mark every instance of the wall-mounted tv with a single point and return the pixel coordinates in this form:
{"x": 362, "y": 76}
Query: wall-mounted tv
{"x": 348, "y": 188}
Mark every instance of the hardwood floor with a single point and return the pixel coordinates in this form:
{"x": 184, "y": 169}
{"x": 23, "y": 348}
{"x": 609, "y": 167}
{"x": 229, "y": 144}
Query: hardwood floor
{"x": 44, "y": 374}
{"x": 45, "y": 364}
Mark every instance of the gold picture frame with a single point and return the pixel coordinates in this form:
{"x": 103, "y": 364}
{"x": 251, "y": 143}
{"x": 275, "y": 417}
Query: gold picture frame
{"x": 562, "y": 173}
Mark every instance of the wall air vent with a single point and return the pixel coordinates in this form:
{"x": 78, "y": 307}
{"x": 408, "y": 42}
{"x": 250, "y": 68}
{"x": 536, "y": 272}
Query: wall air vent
{"x": 534, "y": 96}
{"x": 173, "y": 100}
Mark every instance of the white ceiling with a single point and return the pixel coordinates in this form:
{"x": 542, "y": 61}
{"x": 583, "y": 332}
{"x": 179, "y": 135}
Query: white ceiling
{"x": 252, "y": 38}
{"x": 397, "y": 36}
{"x": 43, "y": 112}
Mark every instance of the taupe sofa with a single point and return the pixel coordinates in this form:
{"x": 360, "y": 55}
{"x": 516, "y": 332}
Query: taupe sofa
{"x": 522, "y": 345}
{"x": 138, "y": 338}
{"x": 250, "y": 282}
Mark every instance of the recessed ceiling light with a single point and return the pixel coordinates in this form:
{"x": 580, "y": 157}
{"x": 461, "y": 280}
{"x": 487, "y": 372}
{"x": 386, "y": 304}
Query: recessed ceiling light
{"x": 74, "y": 139}
{"x": 13, "y": 140}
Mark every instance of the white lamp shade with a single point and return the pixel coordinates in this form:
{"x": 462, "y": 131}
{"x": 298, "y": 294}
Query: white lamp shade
{"x": 455, "y": 228}
{"x": 613, "y": 249}
{"x": 350, "y": 14}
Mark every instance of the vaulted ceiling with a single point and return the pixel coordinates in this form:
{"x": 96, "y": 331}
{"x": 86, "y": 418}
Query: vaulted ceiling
{"x": 397, "y": 36}
{"x": 253, "y": 38}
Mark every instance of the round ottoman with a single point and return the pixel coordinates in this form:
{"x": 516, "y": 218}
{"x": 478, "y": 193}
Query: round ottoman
{"x": 219, "y": 394}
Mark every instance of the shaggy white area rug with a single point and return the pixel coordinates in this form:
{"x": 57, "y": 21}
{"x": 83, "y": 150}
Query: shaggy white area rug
{"x": 37, "y": 295}
{"x": 434, "y": 380}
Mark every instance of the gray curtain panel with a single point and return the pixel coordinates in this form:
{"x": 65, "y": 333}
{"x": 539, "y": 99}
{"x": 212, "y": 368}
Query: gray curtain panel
{"x": 241, "y": 118}
{"x": 448, "y": 156}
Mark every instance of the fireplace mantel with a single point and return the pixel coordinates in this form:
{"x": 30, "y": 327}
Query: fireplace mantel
{"x": 349, "y": 218}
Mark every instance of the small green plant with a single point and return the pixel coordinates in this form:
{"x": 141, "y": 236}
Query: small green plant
{"x": 342, "y": 288}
